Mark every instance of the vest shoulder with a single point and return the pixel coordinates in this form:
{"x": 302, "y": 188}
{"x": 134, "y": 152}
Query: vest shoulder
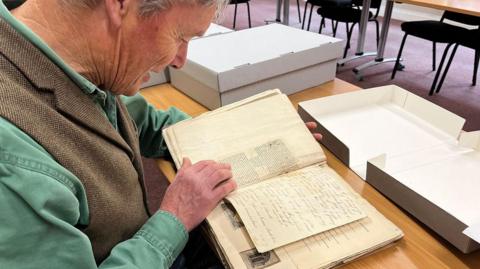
{"x": 10, "y": 76}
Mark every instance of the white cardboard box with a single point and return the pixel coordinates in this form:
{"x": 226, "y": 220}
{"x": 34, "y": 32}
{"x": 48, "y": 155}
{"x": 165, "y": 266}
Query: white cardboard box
{"x": 215, "y": 29}
{"x": 439, "y": 186}
{"x": 364, "y": 124}
{"x": 157, "y": 78}
{"x": 222, "y": 69}
{"x": 407, "y": 148}
{"x": 164, "y": 76}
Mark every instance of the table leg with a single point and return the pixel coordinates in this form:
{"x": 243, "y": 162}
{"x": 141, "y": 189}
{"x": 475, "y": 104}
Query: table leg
{"x": 362, "y": 31}
{"x": 383, "y": 42}
{"x": 279, "y": 11}
{"x": 286, "y": 12}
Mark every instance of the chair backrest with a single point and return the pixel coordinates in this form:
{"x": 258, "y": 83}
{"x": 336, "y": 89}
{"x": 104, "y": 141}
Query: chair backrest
{"x": 234, "y": 2}
{"x": 461, "y": 18}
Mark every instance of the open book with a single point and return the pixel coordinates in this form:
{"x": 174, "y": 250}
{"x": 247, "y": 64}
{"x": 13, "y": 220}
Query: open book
{"x": 287, "y": 194}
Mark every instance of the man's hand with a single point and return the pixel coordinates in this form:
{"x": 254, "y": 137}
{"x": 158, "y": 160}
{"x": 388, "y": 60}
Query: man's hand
{"x": 196, "y": 190}
{"x": 312, "y": 126}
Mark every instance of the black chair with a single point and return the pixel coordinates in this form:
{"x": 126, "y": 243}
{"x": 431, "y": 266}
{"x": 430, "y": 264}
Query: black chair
{"x": 437, "y": 32}
{"x": 374, "y": 4}
{"x": 312, "y": 4}
{"x": 320, "y": 3}
{"x": 349, "y": 13}
{"x": 299, "y": 13}
{"x": 469, "y": 39}
{"x": 236, "y": 2}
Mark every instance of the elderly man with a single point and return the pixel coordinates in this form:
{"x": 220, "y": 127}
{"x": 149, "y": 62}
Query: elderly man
{"x": 71, "y": 186}
{"x": 71, "y": 180}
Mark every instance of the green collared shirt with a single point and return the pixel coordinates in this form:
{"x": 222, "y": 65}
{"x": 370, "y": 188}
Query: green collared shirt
{"x": 41, "y": 202}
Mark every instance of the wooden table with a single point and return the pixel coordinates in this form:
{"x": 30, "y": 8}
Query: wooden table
{"x": 420, "y": 248}
{"x": 470, "y": 7}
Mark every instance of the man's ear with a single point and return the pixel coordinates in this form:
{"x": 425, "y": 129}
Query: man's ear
{"x": 117, "y": 10}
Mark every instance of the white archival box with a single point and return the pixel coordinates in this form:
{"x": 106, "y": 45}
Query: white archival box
{"x": 412, "y": 151}
{"x": 157, "y": 78}
{"x": 439, "y": 186}
{"x": 215, "y": 29}
{"x": 222, "y": 69}
{"x": 364, "y": 124}
{"x": 164, "y": 76}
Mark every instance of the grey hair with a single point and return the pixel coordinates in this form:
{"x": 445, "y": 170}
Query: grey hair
{"x": 150, "y": 7}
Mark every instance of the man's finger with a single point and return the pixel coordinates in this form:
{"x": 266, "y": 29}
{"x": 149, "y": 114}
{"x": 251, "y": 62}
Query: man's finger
{"x": 211, "y": 168}
{"x": 197, "y": 167}
{"x": 311, "y": 125}
{"x": 218, "y": 177}
{"x": 317, "y": 136}
{"x": 225, "y": 188}
{"x": 186, "y": 163}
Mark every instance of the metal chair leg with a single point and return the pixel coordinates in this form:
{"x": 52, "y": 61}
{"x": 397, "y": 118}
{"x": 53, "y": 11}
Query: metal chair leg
{"x": 334, "y": 28}
{"x": 310, "y": 17}
{"x": 249, "y": 20}
{"x": 304, "y": 15}
{"x": 349, "y": 36}
{"x": 397, "y": 63}
{"x": 437, "y": 75}
{"x": 439, "y": 86}
{"x": 434, "y": 56}
{"x": 321, "y": 25}
{"x": 475, "y": 67}
{"x": 299, "y": 14}
{"x": 377, "y": 29}
{"x": 347, "y": 27}
{"x": 235, "y": 16}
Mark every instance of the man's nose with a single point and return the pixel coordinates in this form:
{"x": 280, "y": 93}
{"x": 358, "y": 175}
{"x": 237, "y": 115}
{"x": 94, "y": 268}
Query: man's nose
{"x": 181, "y": 57}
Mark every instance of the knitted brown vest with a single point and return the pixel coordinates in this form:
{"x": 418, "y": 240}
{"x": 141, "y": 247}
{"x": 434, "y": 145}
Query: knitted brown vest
{"x": 41, "y": 100}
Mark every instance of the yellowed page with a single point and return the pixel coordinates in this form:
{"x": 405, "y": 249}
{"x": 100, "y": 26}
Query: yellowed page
{"x": 290, "y": 207}
{"x": 236, "y": 134}
{"x": 324, "y": 250}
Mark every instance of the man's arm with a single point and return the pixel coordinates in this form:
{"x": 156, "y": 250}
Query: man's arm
{"x": 42, "y": 203}
{"x": 150, "y": 123}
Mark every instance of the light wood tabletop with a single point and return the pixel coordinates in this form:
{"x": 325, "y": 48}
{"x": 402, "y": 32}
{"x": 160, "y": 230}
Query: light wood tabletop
{"x": 470, "y": 7}
{"x": 420, "y": 247}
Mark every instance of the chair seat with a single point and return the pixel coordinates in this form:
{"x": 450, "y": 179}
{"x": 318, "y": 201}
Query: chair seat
{"x": 232, "y": 2}
{"x": 330, "y": 3}
{"x": 342, "y": 14}
{"x": 435, "y": 31}
{"x": 470, "y": 39}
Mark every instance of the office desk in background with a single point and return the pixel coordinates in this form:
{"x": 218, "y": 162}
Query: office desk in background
{"x": 470, "y": 7}
{"x": 420, "y": 247}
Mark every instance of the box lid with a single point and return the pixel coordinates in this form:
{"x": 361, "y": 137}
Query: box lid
{"x": 215, "y": 29}
{"x": 235, "y": 59}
